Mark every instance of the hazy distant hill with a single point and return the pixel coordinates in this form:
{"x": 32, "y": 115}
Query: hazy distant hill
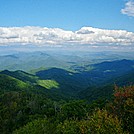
{"x": 68, "y": 60}
{"x": 28, "y": 61}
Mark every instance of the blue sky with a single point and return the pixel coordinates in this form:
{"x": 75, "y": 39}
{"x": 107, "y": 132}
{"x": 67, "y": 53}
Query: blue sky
{"x": 107, "y": 24}
{"x": 65, "y": 14}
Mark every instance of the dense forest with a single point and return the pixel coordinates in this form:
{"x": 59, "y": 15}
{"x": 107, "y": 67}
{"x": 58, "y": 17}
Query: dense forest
{"x": 27, "y": 108}
{"x": 95, "y": 98}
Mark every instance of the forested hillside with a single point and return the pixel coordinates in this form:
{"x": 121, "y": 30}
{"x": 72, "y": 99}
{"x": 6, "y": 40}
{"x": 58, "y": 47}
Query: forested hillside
{"x": 56, "y": 100}
{"x": 31, "y": 112}
{"x": 28, "y": 107}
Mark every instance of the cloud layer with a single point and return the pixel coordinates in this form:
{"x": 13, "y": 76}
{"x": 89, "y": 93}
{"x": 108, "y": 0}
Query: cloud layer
{"x": 129, "y": 8}
{"x": 42, "y": 36}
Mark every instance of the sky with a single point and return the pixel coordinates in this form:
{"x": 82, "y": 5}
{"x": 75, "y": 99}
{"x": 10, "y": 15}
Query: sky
{"x": 93, "y": 23}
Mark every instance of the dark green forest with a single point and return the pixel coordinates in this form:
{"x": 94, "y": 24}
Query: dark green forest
{"x": 31, "y": 109}
{"x": 58, "y": 101}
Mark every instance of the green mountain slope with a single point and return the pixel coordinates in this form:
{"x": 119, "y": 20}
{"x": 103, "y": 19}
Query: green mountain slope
{"x": 21, "y": 75}
{"x": 106, "y": 91}
{"x": 27, "y": 106}
{"x": 8, "y": 83}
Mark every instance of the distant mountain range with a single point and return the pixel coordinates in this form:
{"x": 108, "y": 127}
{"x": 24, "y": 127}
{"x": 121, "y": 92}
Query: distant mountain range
{"x": 78, "y": 83}
{"x": 71, "y": 61}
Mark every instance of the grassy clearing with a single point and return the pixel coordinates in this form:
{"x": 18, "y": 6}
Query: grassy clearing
{"x": 48, "y": 84}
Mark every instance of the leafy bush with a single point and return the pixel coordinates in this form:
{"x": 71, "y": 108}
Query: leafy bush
{"x": 123, "y": 106}
{"x": 40, "y": 126}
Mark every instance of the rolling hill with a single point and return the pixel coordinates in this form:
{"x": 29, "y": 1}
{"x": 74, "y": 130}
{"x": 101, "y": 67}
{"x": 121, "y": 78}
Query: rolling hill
{"x": 70, "y": 83}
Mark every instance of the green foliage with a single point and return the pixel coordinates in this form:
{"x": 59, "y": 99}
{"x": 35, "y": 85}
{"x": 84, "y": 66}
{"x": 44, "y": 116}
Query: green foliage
{"x": 123, "y": 106}
{"x": 74, "y": 109}
{"x": 31, "y": 109}
{"x": 68, "y": 127}
{"x": 8, "y": 83}
{"x": 21, "y": 75}
{"x": 99, "y": 123}
{"x": 97, "y": 93}
{"x": 19, "y": 108}
{"x": 40, "y": 126}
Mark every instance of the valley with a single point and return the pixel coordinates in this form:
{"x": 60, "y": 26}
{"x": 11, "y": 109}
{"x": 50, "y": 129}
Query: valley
{"x": 41, "y": 88}
{"x": 67, "y": 73}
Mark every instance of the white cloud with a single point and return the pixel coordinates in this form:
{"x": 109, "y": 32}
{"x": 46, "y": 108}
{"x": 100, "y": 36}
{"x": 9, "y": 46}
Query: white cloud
{"x": 55, "y": 36}
{"x": 129, "y": 8}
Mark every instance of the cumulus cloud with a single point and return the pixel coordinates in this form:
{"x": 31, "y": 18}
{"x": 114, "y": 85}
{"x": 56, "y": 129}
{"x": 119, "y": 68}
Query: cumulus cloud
{"x": 129, "y": 8}
{"x": 54, "y": 36}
